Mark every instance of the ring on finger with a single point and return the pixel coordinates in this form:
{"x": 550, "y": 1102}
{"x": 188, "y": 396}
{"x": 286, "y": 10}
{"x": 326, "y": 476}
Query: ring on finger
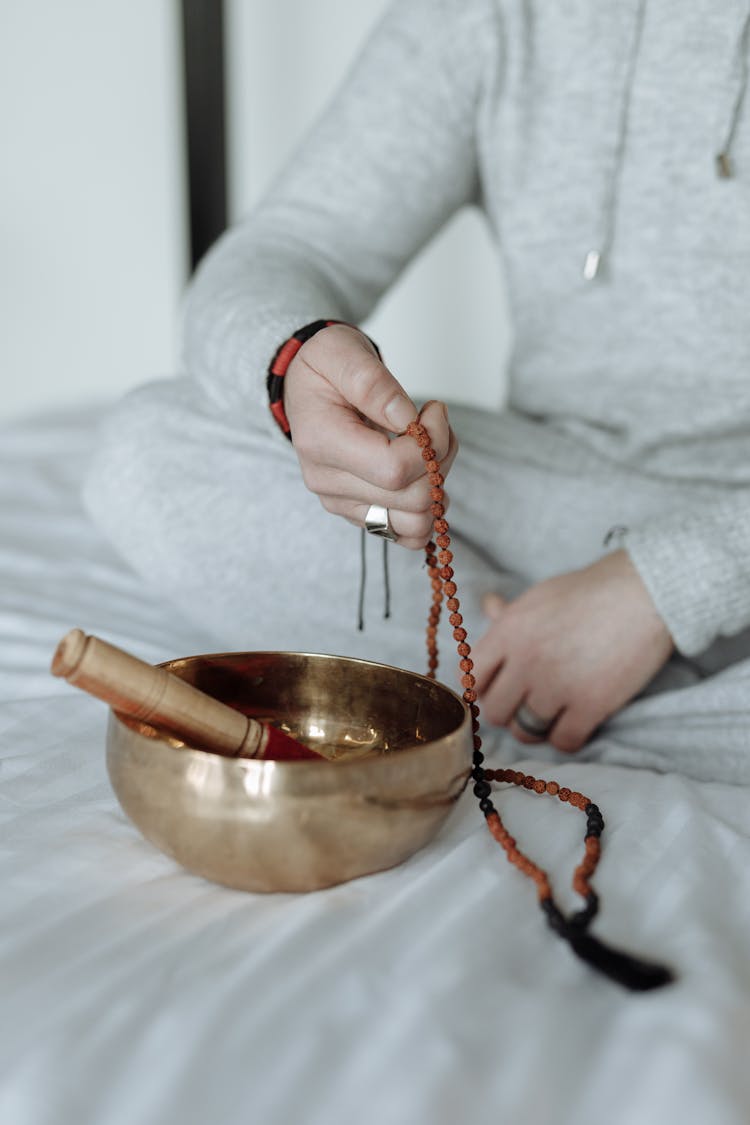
{"x": 531, "y": 723}
{"x": 378, "y": 522}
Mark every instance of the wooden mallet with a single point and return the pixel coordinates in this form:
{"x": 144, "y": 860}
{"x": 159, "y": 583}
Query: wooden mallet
{"x": 161, "y": 699}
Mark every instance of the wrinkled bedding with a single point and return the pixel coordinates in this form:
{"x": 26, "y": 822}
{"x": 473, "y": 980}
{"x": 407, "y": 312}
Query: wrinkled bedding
{"x": 133, "y": 992}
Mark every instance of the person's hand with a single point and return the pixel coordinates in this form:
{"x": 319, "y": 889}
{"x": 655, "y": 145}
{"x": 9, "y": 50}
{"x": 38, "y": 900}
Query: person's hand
{"x": 342, "y": 403}
{"x": 573, "y": 649}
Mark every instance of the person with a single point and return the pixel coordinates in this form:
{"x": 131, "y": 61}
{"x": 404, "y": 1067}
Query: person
{"x": 601, "y": 520}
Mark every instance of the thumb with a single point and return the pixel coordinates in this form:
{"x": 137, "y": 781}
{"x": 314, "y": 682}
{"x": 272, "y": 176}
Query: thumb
{"x": 364, "y": 381}
{"x": 493, "y": 606}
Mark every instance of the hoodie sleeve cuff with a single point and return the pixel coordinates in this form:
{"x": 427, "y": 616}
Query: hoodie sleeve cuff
{"x": 694, "y": 566}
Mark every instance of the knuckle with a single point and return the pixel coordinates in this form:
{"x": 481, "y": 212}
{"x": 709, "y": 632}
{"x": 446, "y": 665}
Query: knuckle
{"x": 493, "y": 713}
{"x": 496, "y": 716}
{"x": 412, "y": 499}
{"x": 393, "y": 475}
{"x": 415, "y": 528}
{"x": 316, "y": 352}
{"x": 309, "y": 476}
{"x": 305, "y": 445}
{"x": 363, "y": 376}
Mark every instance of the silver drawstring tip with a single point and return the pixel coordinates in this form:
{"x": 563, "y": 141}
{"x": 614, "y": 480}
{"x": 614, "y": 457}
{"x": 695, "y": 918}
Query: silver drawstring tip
{"x": 591, "y": 265}
{"x": 723, "y": 166}
{"x": 615, "y": 534}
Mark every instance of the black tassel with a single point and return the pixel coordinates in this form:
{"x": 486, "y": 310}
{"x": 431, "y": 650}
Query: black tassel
{"x": 631, "y": 972}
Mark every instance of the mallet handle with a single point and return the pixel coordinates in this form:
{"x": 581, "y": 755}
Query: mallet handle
{"x": 157, "y": 697}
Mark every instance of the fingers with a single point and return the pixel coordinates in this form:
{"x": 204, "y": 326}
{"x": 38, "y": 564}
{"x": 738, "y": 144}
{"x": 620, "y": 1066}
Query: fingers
{"x": 342, "y": 485}
{"x": 360, "y": 377}
{"x": 341, "y": 441}
{"x": 414, "y": 529}
{"x": 508, "y": 702}
{"x": 571, "y": 731}
{"x": 503, "y": 693}
{"x": 533, "y": 721}
{"x": 343, "y": 356}
{"x": 509, "y": 699}
{"x": 342, "y": 403}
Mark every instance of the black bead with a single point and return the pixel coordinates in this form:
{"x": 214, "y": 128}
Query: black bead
{"x": 594, "y": 818}
{"x": 482, "y": 789}
{"x": 486, "y": 806}
{"x": 478, "y": 757}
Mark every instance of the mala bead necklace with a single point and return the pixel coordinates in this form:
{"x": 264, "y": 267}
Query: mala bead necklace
{"x": 629, "y": 971}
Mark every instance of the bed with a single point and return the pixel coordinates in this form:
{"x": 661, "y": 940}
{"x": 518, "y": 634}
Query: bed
{"x": 135, "y": 992}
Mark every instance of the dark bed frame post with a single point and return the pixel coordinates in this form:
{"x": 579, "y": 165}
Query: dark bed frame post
{"x": 203, "y": 75}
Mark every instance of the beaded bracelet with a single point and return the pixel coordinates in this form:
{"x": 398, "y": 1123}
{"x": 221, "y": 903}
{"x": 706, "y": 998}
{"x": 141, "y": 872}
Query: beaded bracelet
{"x": 632, "y": 972}
{"x": 279, "y": 366}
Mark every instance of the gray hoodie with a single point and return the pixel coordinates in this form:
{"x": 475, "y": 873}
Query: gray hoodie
{"x": 588, "y": 132}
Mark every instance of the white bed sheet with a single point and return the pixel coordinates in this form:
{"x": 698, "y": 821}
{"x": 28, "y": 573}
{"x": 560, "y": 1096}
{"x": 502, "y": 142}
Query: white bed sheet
{"x": 132, "y": 993}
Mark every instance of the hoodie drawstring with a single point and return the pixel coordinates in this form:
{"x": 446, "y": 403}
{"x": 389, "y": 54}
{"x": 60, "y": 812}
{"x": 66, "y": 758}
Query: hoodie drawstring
{"x": 723, "y": 161}
{"x": 596, "y": 255}
{"x": 363, "y": 581}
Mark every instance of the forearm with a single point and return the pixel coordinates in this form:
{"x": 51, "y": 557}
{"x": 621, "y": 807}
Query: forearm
{"x": 389, "y": 162}
{"x": 255, "y": 288}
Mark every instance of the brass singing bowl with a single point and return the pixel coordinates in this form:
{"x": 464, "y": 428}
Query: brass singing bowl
{"x": 399, "y": 746}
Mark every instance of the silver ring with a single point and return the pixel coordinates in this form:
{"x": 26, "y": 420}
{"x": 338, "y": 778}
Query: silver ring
{"x": 531, "y": 723}
{"x": 378, "y": 522}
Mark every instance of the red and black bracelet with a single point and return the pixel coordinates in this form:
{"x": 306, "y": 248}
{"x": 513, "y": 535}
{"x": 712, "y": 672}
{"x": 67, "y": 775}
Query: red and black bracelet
{"x": 280, "y": 365}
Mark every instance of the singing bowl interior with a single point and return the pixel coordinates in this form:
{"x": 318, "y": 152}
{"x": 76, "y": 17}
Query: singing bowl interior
{"x": 400, "y": 756}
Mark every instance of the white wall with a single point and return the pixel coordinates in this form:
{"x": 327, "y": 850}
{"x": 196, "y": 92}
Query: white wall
{"x": 92, "y": 215}
{"x": 92, "y": 208}
{"x": 443, "y": 328}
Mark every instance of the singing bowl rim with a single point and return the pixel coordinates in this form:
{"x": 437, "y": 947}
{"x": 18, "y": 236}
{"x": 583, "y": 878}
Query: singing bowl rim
{"x": 303, "y": 770}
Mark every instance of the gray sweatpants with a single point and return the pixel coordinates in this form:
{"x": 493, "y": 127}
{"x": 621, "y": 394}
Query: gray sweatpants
{"x": 212, "y": 510}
